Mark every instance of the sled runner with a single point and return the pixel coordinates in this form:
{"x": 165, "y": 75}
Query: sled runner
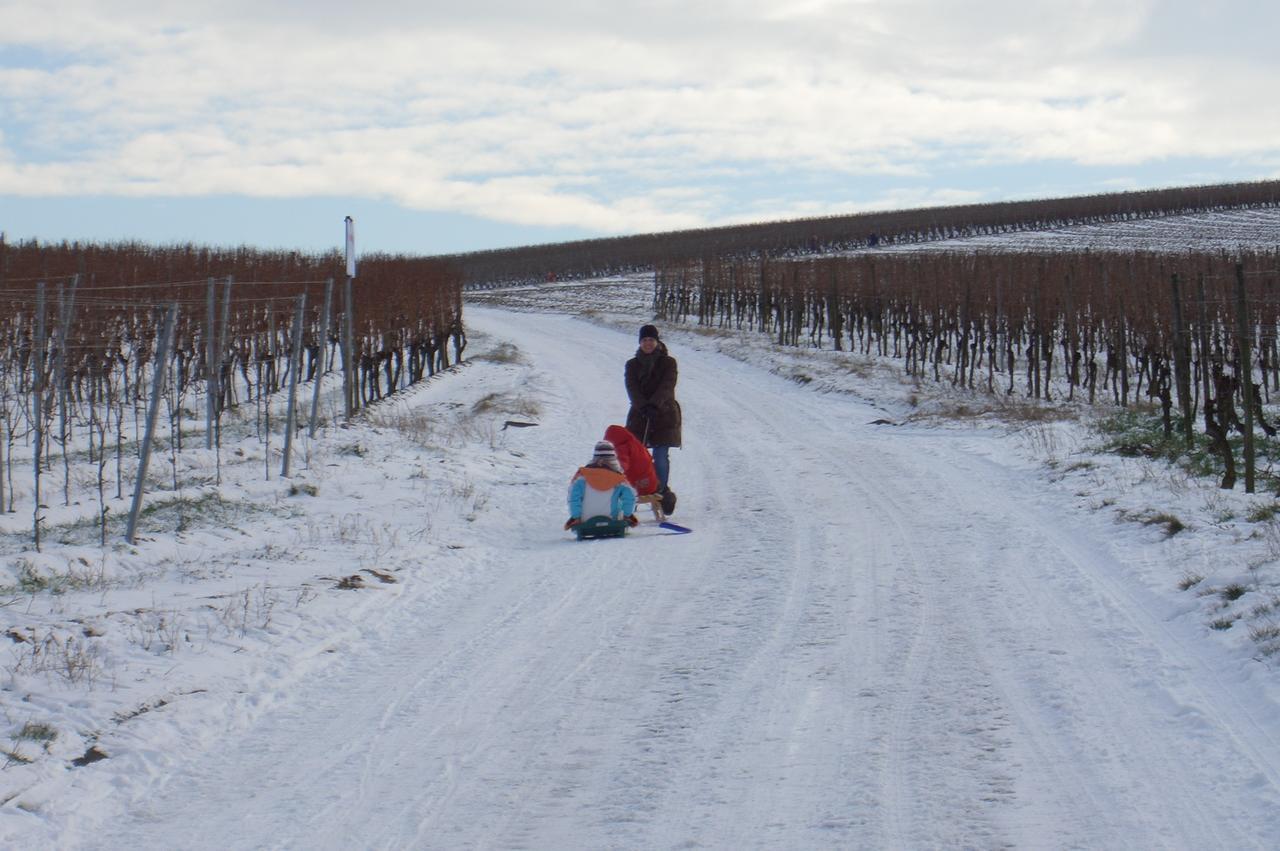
{"x": 661, "y": 503}
{"x": 654, "y": 501}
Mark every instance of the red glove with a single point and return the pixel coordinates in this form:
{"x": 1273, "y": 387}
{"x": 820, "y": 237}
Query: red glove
{"x": 633, "y": 521}
{"x": 571, "y": 522}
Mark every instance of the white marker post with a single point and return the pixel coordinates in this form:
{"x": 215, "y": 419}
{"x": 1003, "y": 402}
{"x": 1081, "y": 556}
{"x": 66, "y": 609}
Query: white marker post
{"x": 348, "y": 324}
{"x": 351, "y": 247}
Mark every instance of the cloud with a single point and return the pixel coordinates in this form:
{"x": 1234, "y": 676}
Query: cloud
{"x": 606, "y": 116}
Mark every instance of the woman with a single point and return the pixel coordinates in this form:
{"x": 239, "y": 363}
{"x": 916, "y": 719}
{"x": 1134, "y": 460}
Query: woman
{"x": 655, "y": 415}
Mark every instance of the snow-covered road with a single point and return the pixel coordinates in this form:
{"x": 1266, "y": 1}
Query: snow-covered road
{"x": 875, "y": 638}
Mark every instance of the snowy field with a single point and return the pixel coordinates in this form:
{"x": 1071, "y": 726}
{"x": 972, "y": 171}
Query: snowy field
{"x": 907, "y": 617}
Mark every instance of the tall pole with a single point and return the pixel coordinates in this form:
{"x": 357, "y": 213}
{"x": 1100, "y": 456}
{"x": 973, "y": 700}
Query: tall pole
{"x": 324, "y": 345}
{"x": 348, "y": 348}
{"x": 157, "y": 390}
{"x": 1182, "y": 361}
{"x": 211, "y": 362}
{"x": 1244, "y": 329}
{"x": 348, "y": 322}
{"x": 295, "y": 369}
{"x": 37, "y": 401}
{"x": 66, "y": 309}
{"x": 223, "y": 322}
{"x": 1205, "y": 374}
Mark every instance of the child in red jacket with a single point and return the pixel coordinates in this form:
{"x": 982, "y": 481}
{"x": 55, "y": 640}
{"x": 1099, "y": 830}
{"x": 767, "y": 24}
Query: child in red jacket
{"x": 635, "y": 459}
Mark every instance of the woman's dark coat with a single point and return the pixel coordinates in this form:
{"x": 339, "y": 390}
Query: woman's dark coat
{"x": 651, "y": 385}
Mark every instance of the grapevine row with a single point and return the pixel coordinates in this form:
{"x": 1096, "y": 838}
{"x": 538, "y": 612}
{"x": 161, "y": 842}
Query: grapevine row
{"x": 1195, "y": 332}
{"x": 80, "y": 328}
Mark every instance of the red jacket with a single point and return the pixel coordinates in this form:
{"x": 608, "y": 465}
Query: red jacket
{"x": 634, "y": 458}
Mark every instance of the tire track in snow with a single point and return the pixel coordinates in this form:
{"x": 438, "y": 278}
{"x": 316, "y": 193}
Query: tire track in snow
{"x": 740, "y": 624}
{"x": 950, "y": 766}
{"x": 1082, "y": 672}
{"x": 895, "y": 680}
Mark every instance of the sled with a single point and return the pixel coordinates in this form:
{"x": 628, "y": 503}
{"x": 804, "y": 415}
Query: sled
{"x": 600, "y": 527}
{"x": 661, "y": 505}
{"x": 654, "y": 501}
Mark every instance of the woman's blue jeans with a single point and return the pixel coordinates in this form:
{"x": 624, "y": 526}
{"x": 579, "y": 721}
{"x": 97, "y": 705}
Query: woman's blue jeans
{"x": 661, "y": 465}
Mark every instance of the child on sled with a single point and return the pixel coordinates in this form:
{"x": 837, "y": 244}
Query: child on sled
{"x": 601, "y": 501}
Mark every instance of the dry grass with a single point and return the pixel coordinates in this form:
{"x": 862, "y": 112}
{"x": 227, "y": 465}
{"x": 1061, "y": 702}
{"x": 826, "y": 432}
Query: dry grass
{"x": 416, "y": 425}
{"x": 73, "y": 658}
{"x": 248, "y": 609}
{"x": 1233, "y": 592}
{"x": 433, "y": 429}
{"x": 1267, "y": 637}
{"x": 1171, "y": 524}
{"x": 1263, "y": 512}
{"x": 503, "y": 353}
{"x": 13, "y": 756}
{"x": 506, "y": 404}
{"x": 998, "y": 409}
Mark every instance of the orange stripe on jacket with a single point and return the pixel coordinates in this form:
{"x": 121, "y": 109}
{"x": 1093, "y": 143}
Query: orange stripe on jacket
{"x": 601, "y": 479}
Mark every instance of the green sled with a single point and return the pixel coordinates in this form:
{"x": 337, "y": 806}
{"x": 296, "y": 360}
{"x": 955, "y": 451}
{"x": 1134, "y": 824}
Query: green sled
{"x": 600, "y": 527}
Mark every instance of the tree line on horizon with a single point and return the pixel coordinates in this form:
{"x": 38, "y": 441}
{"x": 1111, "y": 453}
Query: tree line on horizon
{"x": 613, "y": 255}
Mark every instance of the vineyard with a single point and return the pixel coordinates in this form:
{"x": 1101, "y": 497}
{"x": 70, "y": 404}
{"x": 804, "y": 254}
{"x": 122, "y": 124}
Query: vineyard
{"x": 1030, "y": 222}
{"x": 97, "y": 341}
{"x": 110, "y": 351}
{"x": 1194, "y": 332}
{"x": 1228, "y": 230}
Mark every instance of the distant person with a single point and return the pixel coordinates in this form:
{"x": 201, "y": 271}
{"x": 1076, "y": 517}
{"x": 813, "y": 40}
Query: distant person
{"x": 655, "y": 415}
{"x": 601, "y": 501}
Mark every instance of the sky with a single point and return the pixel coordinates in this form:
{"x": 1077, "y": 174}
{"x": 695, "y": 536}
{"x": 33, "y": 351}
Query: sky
{"x": 450, "y": 127}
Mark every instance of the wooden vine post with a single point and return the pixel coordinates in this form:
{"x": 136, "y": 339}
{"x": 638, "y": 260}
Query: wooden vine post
{"x": 153, "y": 411}
{"x": 37, "y": 404}
{"x": 1182, "y": 362}
{"x": 1246, "y": 375}
{"x": 323, "y": 341}
{"x": 295, "y": 369}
